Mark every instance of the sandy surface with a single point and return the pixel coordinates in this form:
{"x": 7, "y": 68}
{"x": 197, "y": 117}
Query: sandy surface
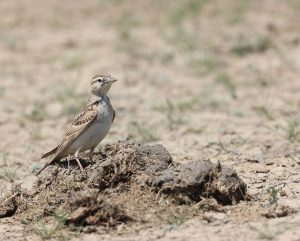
{"x": 213, "y": 79}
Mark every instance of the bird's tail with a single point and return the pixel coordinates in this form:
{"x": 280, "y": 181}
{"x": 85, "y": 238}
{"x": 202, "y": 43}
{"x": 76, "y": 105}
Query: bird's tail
{"x": 46, "y": 164}
{"x": 49, "y": 153}
{"x": 53, "y": 151}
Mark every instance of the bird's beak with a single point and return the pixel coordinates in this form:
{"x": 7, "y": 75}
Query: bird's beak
{"x": 111, "y": 80}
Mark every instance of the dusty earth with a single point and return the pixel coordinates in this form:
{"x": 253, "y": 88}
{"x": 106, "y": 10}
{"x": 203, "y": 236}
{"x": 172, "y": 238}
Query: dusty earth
{"x": 121, "y": 184}
{"x": 214, "y": 81}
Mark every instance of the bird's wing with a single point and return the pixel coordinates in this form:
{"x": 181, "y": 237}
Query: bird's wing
{"x": 78, "y": 126}
{"x": 49, "y": 153}
{"x": 114, "y": 115}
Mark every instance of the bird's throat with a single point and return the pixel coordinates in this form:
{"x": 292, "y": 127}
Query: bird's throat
{"x": 94, "y": 99}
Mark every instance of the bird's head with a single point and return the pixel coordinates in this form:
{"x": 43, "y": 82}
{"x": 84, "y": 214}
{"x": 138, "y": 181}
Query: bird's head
{"x": 100, "y": 84}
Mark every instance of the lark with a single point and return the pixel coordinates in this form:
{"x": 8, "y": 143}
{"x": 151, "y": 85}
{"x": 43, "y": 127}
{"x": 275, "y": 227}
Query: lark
{"x": 90, "y": 126}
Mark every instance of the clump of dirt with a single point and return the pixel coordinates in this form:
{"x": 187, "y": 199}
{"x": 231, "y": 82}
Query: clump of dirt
{"x": 197, "y": 179}
{"x": 255, "y": 210}
{"x": 88, "y": 207}
{"x": 124, "y": 180}
{"x": 9, "y": 204}
{"x": 277, "y": 211}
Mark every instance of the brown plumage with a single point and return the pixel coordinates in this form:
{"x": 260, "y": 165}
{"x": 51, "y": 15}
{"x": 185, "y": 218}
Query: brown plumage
{"x": 98, "y": 113}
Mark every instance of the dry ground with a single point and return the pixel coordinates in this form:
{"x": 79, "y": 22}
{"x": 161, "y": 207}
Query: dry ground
{"x": 206, "y": 78}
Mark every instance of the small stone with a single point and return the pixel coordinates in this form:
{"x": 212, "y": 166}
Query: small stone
{"x": 89, "y": 229}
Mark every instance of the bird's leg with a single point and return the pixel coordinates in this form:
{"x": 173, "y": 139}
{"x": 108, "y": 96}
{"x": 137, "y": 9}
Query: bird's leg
{"x": 68, "y": 159}
{"x": 77, "y": 159}
{"x": 91, "y": 154}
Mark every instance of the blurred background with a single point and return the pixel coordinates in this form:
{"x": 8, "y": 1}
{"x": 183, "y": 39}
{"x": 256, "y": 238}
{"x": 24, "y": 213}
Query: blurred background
{"x": 203, "y": 77}
{"x": 215, "y": 79}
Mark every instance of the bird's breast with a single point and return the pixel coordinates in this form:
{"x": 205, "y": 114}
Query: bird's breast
{"x": 105, "y": 111}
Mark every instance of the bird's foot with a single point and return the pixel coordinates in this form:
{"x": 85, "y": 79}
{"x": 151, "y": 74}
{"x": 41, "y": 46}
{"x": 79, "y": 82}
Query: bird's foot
{"x": 79, "y": 164}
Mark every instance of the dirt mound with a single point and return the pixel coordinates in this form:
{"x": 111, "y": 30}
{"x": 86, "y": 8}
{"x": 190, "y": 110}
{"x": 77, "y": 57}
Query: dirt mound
{"x": 197, "y": 179}
{"x": 124, "y": 181}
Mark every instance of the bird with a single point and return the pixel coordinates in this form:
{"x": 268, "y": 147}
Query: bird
{"x": 89, "y": 127}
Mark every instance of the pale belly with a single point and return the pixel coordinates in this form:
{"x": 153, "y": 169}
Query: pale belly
{"x": 93, "y": 135}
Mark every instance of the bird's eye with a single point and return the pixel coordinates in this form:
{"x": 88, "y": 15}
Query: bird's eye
{"x": 99, "y": 80}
